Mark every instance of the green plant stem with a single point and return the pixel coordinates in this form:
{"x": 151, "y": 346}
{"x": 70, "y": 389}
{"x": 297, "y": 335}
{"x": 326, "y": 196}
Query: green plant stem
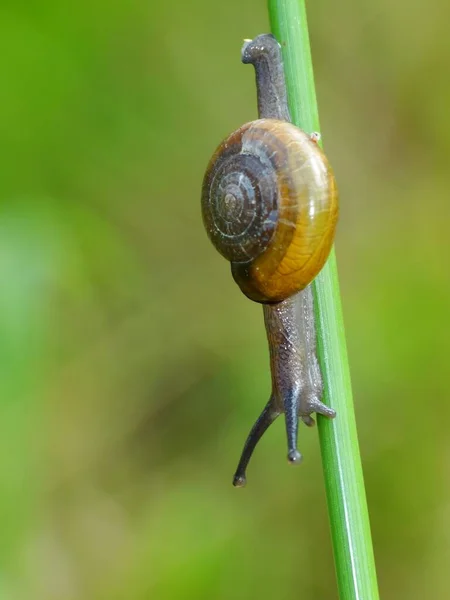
{"x": 346, "y": 498}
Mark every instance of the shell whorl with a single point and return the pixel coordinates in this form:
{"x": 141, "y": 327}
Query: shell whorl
{"x": 269, "y": 205}
{"x": 240, "y": 197}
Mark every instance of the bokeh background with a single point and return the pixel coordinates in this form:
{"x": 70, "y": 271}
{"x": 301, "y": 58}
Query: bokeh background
{"x": 131, "y": 366}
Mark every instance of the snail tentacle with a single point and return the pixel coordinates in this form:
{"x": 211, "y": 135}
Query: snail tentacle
{"x": 266, "y": 418}
{"x": 291, "y": 413}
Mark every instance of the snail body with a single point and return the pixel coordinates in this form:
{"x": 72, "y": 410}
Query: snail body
{"x": 270, "y": 207}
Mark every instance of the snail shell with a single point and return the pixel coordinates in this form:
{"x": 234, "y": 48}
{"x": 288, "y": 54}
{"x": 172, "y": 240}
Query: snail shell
{"x": 270, "y": 206}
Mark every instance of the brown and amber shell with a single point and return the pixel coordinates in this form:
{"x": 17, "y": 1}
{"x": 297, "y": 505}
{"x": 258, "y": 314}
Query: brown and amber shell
{"x": 270, "y": 206}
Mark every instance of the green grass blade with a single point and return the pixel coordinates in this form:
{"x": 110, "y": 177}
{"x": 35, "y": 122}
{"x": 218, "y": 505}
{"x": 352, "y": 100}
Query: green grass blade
{"x": 347, "y": 505}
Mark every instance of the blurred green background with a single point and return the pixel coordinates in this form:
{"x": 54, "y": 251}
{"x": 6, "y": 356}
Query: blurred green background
{"x": 131, "y": 366}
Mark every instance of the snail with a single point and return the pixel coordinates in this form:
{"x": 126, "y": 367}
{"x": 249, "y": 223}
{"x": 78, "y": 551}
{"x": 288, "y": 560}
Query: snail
{"x": 270, "y": 207}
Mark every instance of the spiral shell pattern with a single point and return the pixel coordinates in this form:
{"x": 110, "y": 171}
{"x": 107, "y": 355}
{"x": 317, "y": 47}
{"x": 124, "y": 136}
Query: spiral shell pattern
{"x": 269, "y": 204}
